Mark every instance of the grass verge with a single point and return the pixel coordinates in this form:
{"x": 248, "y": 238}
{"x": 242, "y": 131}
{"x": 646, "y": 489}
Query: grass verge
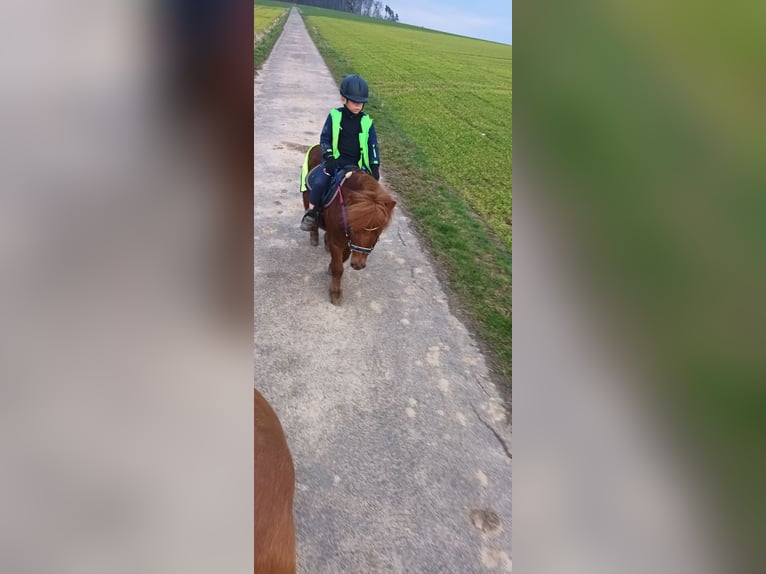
{"x": 262, "y": 48}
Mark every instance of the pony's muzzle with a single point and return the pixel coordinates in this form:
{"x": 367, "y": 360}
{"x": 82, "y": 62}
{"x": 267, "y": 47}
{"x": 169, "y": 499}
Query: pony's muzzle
{"x": 358, "y": 263}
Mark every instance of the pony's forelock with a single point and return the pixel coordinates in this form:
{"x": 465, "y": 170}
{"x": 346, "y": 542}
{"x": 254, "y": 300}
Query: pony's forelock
{"x": 371, "y": 206}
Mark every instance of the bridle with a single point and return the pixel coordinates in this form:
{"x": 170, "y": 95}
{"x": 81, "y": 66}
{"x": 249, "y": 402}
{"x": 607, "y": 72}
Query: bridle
{"x": 352, "y": 246}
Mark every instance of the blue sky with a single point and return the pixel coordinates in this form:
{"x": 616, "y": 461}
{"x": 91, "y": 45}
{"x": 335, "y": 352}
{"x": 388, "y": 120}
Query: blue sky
{"x": 486, "y": 20}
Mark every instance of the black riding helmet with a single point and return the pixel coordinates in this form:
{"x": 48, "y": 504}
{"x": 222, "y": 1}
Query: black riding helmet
{"x": 354, "y": 88}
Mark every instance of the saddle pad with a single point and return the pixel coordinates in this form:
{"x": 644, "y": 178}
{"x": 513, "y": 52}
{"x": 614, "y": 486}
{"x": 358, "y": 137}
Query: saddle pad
{"x": 337, "y": 182}
{"x": 305, "y": 168}
{"x": 332, "y": 190}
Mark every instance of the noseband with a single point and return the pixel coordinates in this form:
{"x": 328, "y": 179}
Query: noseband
{"x": 351, "y": 245}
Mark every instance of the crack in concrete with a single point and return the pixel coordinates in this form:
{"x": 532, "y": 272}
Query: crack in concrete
{"x": 399, "y": 234}
{"x": 500, "y": 439}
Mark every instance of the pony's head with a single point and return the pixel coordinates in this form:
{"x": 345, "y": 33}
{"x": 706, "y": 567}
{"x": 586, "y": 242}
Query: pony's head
{"x": 369, "y": 213}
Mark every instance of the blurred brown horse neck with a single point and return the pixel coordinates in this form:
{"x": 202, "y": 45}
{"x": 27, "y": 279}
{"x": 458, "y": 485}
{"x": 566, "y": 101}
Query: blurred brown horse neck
{"x": 274, "y": 528}
{"x": 353, "y": 221}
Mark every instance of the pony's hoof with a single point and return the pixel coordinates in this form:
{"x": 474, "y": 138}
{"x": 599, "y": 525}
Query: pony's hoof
{"x": 335, "y": 299}
{"x": 314, "y": 239}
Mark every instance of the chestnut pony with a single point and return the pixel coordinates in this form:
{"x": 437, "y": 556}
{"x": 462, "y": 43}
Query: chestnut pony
{"x": 274, "y": 528}
{"x": 353, "y": 221}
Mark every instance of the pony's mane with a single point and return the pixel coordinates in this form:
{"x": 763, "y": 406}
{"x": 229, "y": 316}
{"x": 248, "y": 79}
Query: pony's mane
{"x": 369, "y": 205}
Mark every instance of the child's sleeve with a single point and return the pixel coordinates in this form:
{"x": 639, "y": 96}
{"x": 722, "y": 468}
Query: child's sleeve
{"x": 325, "y": 140}
{"x": 372, "y": 147}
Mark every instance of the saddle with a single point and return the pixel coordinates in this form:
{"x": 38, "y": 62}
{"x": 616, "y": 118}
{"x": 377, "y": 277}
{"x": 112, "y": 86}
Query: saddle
{"x": 332, "y": 190}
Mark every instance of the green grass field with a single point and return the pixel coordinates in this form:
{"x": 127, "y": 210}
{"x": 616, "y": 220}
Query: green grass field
{"x": 442, "y": 106}
{"x": 265, "y": 13}
{"x": 263, "y": 17}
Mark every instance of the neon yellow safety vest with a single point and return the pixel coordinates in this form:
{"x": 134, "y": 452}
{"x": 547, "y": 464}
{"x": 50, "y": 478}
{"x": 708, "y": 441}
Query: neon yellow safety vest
{"x": 364, "y": 135}
{"x": 305, "y": 168}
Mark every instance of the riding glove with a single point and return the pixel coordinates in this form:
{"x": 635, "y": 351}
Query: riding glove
{"x": 329, "y": 163}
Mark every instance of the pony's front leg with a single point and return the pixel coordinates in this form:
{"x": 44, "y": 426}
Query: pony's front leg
{"x": 336, "y": 270}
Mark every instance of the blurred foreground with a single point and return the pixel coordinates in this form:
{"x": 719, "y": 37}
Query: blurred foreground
{"x": 125, "y": 249}
{"x": 639, "y": 329}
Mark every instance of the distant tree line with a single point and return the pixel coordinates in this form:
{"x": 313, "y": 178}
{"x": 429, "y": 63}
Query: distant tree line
{"x": 371, "y": 8}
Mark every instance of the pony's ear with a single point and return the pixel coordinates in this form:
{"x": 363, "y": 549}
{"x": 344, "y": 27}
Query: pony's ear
{"x": 390, "y": 203}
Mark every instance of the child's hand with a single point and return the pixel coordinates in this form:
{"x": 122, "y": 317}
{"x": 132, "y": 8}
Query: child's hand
{"x": 330, "y": 164}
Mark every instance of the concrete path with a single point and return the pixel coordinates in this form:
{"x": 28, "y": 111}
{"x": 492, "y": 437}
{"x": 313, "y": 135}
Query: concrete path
{"x": 400, "y": 441}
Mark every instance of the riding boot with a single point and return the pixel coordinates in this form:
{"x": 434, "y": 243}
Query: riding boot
{"x": 310, "y": 220}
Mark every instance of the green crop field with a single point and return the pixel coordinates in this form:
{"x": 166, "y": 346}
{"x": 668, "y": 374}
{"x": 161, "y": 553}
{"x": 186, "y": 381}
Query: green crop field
{"x": 442, "y": 106}
{"x": 265, "y": 13}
